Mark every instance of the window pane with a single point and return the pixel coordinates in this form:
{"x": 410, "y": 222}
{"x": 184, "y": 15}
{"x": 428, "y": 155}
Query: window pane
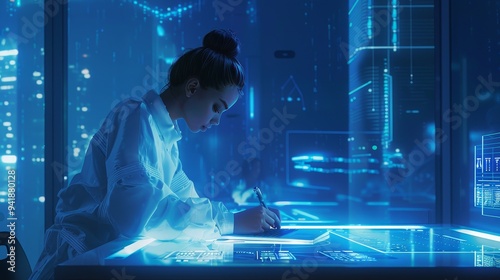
{"x": 22, "y": 121}
{"x": 474, "y": 115}
{"x": 392, "y": 89}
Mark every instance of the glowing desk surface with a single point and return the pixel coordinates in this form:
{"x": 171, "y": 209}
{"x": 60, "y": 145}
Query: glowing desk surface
{"x": 351, "y": 252}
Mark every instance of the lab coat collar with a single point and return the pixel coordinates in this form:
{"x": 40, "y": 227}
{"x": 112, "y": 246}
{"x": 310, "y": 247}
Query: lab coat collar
{"x": 169, "y": 129}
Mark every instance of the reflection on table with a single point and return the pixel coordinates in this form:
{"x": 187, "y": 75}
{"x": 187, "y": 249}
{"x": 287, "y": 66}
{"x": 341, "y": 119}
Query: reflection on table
{"x": 365, "y": 251}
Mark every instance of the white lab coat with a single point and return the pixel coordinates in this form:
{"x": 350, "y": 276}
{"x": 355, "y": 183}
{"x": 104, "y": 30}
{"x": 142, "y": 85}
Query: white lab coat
{"x": 131, "y": 184}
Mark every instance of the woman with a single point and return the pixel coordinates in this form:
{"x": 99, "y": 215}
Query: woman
{"x": 132, "y": 183}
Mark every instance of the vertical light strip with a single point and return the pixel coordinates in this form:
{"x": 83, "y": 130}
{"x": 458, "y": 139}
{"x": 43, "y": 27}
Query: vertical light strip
{"x": 251, "y": 102}
{"x": 388, "y": 135}
{"x": 369, "y": 22}
{"x": 395, "y": 24}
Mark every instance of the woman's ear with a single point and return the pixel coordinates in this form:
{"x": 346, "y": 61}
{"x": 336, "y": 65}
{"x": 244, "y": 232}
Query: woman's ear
{"x": 192, "y": 86}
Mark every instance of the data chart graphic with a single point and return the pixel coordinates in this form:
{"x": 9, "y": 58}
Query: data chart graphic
{"x": 487, "y": 175}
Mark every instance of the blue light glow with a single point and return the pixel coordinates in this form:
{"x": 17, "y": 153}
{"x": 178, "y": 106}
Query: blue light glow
{"x": 130, "y": 249}
{"x": 251, "y": 102}
{"x": 353, "y": 6}
{"x": 169, "y": 60}
{"x": 160, "y": 13}
{"x": 160, "y": 31}
{"x": 317, "y": 158}
{"x": 9, "y": 159}
{"x": 303, "y": 167}
{"x": 354, "y": 227}
{"x": 300, "y": 158}
{"x": 9, "y": 52}
{"x": 360, "y": 87}
{"x": 479, "y": 234}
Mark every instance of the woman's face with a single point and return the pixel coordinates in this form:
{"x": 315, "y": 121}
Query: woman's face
{"x": 204, "y": 107}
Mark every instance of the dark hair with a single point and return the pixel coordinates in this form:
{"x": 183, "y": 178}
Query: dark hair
{"x": 214, "y": 64}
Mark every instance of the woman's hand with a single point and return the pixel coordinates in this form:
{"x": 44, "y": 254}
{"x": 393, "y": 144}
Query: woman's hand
{"x": 257, "y": 219}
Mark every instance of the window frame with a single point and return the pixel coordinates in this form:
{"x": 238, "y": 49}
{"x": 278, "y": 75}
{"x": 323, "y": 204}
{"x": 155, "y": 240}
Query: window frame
{"x": 56, "y": 96}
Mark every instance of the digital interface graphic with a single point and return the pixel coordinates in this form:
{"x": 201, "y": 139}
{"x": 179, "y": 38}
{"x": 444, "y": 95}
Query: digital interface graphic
{"x": 487, "y": 175}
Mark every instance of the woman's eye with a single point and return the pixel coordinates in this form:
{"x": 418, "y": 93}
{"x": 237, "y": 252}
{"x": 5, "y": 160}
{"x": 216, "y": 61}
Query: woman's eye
{"x": 216, "y": 109}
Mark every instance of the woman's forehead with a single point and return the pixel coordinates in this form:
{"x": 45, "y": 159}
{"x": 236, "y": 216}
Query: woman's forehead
{"x": 229, "y": 95}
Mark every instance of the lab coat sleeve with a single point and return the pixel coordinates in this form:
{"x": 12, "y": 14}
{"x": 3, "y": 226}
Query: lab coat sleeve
{"x": 137, "y": 201}
{"x": 188, "y": 213}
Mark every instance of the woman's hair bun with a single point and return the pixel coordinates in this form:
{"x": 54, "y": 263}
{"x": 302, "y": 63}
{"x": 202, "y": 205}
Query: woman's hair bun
{"x": 222, "y": 41}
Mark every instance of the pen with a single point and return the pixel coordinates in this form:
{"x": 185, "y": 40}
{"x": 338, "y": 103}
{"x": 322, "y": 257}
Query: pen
{"x": 259, "y": 196}
{"x": 261, "y": 200}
